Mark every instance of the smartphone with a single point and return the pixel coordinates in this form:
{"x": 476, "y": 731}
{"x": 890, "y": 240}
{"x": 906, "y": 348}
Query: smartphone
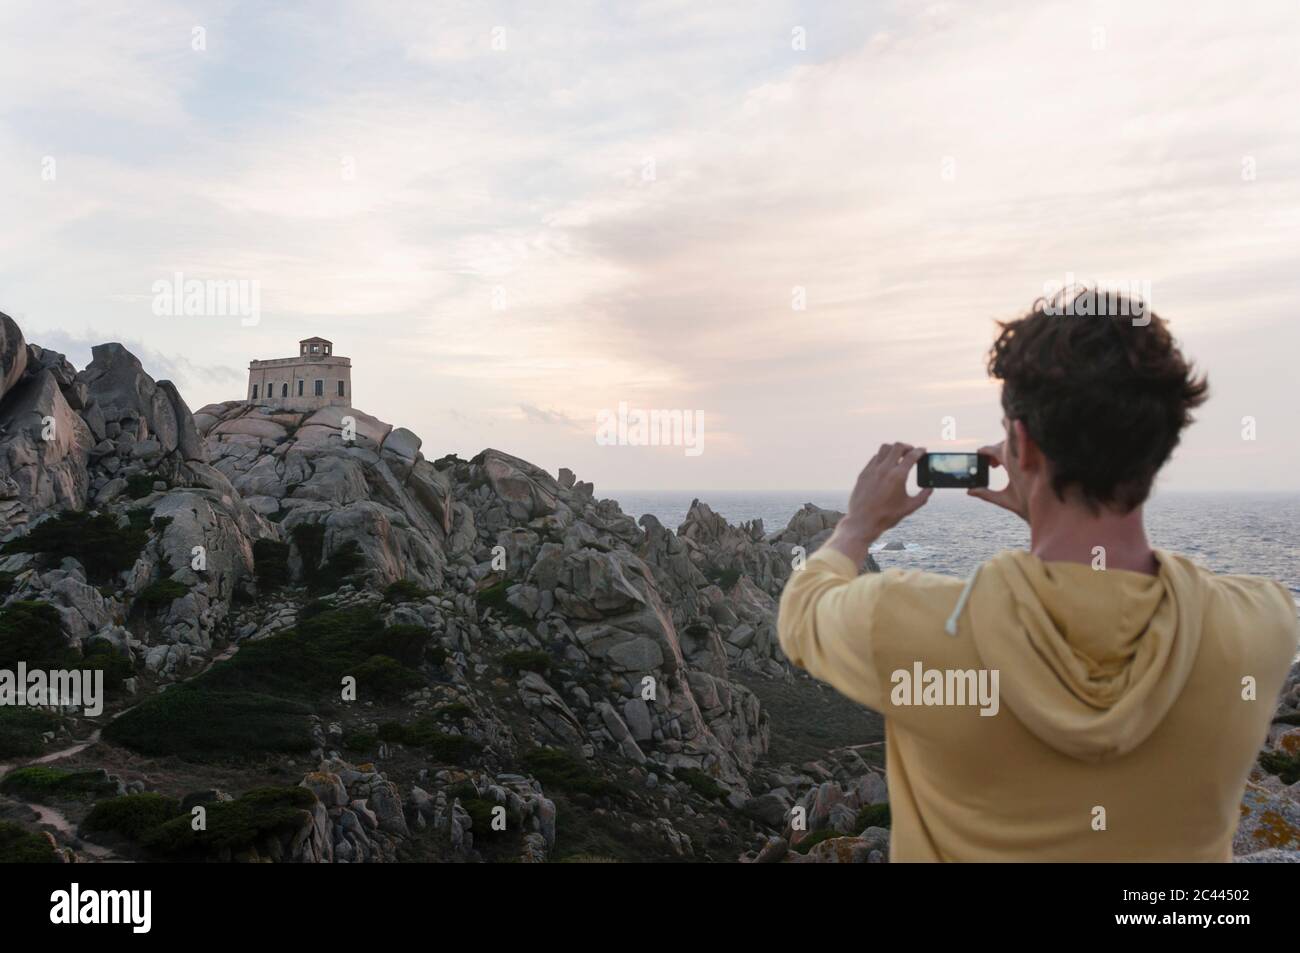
{"x": 961, "y": 470}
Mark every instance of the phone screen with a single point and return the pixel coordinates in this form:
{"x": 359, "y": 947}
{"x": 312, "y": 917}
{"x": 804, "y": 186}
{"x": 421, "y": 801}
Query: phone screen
{"x": 952, "y": 470}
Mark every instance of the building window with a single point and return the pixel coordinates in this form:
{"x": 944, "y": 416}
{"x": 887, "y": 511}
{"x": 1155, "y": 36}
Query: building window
{"x": 327, "y": 349}
{"x": 254, "y": 392}
{"x": 340, "y": 388}
{"x": 304, "y": 349}
{"x": 315, "y": 348}
{"x": 320, "y": 388}
{"x": 284, "y": 389}
{"x": 299, "y": 388}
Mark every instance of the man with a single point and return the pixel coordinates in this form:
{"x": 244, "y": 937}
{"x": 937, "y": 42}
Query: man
{"x": 1091, "y": 699}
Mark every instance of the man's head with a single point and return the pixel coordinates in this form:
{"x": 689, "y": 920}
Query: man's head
{"x": 1094, "y": 404}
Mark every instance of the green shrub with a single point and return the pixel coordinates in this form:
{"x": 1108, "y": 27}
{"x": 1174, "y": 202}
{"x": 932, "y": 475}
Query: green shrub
{"x": 32, "y": 632}
{"x": 340, "y": 567}
{"x": 97, "y": 542}
{"x": 555, "y": 767}
{"x": 403, "y": 590}
{"x": 271, "y": 563}
{"x": 815, "y": 838}
{"x": 359, "y": 741}
{"x": 40, "y": 782}
{"x": 19, "y": 846}
{"x": 699, "y": 782}
{"x": 115, "y": 665}
{"x": 480, "y": 813}
{"x": 527, "y": 660}
{"x": 426, "y": 733}
{"x": 160, "y": 594}
{"x": 321, "y": 573}
{"x": 132, "y": 815}
{"x": 386, "y": 678}
{"x": 195, "y": 722}
{"x": 494, "y": 597}
{"x": 873, "y": 815}
{"x": 1285, "y": 766}
{"x": 309, "y": 538}
{"x": 21, "y": 728}
{"x": 723, "y": 578}
{"x": 403, "y": 642}
{"x": 314, "y": 608}
{"x": 236, "y": 825}
{"x": 306, "y": 660}
{"x": 462, "y": 790}
{"x": 455, "y": 710}
{"x": 140, "y": 485}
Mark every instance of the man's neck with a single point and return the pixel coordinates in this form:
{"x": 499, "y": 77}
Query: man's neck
{"x": 1069, "y": 533}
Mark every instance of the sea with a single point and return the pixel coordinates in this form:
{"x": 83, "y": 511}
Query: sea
{"x": 1228, "y": 532}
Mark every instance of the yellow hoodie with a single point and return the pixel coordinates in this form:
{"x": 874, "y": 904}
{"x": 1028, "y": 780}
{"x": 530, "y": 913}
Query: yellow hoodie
{"x": 1118, "y": 718}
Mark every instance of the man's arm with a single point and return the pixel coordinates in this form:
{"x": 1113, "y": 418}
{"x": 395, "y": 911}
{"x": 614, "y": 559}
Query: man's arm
{"x": 825, "y": 624}
{"x": 826, "y": 613}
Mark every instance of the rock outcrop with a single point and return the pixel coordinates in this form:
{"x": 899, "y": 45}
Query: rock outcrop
{"x": 557, "y": 622}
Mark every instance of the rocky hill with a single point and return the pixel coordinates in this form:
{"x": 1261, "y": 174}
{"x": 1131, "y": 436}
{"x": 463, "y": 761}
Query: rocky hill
{"x": 341, "y": 650}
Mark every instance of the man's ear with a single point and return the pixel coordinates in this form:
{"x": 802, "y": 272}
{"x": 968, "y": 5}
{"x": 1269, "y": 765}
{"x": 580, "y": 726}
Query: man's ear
{"x": 1028, "y": 457}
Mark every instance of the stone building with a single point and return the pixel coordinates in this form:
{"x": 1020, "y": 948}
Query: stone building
{"x": 317, "y": 377}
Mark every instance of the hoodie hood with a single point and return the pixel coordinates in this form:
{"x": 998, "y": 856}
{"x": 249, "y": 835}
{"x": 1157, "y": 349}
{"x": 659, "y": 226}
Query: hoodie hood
{"x": 1090, "y": 661}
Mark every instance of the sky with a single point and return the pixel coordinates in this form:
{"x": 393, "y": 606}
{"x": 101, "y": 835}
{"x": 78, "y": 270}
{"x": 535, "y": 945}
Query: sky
{"x": 797, "y": 222}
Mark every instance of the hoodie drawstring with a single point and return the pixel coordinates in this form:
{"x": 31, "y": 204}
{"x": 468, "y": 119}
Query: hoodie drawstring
{"x": 951, "y": 625}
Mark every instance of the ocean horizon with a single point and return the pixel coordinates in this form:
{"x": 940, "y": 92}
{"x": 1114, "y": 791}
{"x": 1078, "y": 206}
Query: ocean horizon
{"x": 1234, "y": 531}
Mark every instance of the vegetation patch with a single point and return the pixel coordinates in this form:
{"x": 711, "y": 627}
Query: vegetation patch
{"x": 873, "y": 815}
{"x": 1285, "y": 766}
{"x": 140, "y": 485}
{"x": 723, "y": 578}
{"x": 132, "y": 815}
{"x": 527, "y": 660}
{"x": 20, "y": 846}
{"x": 98, "y": 542}
{"x": 238, "y": 825}
{"x": 42, "y": 783}
{"x": 700, "y": 782}
{"x": 426, "y": 733}
{"x": 555, "y": 767}
{"x": 311, "y": 658}
{"x": 271, "y": 563}
{"x": 199, "y": 724}
{"x": 321, "y": 573}
{"x": 21, "y": 728}
{"x": 382, "y": 677}
{"x": 404, "y": 590}
{"x": 359, "y": 741}
{"x": 815, "y": 838}
{"x": 494, "y": 598}
{"x": 32, "y": 632}
{"x": 160, "y": 594}
{"x": 314, "y": 608}
{"x": 455, "y": 710}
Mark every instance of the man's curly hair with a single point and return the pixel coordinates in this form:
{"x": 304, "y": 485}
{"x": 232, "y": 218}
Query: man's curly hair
{"x": 1104, "y": 396}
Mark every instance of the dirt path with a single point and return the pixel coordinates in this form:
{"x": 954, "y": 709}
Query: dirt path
{"x": 53, "y": 817}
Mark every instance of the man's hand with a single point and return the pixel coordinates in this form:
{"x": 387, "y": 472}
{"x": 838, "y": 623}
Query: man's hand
{"x": 879, "y": 500}
{"x": 1007, "y": 498}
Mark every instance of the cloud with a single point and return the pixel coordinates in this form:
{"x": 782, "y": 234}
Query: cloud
{"x": 663, "y": 202}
